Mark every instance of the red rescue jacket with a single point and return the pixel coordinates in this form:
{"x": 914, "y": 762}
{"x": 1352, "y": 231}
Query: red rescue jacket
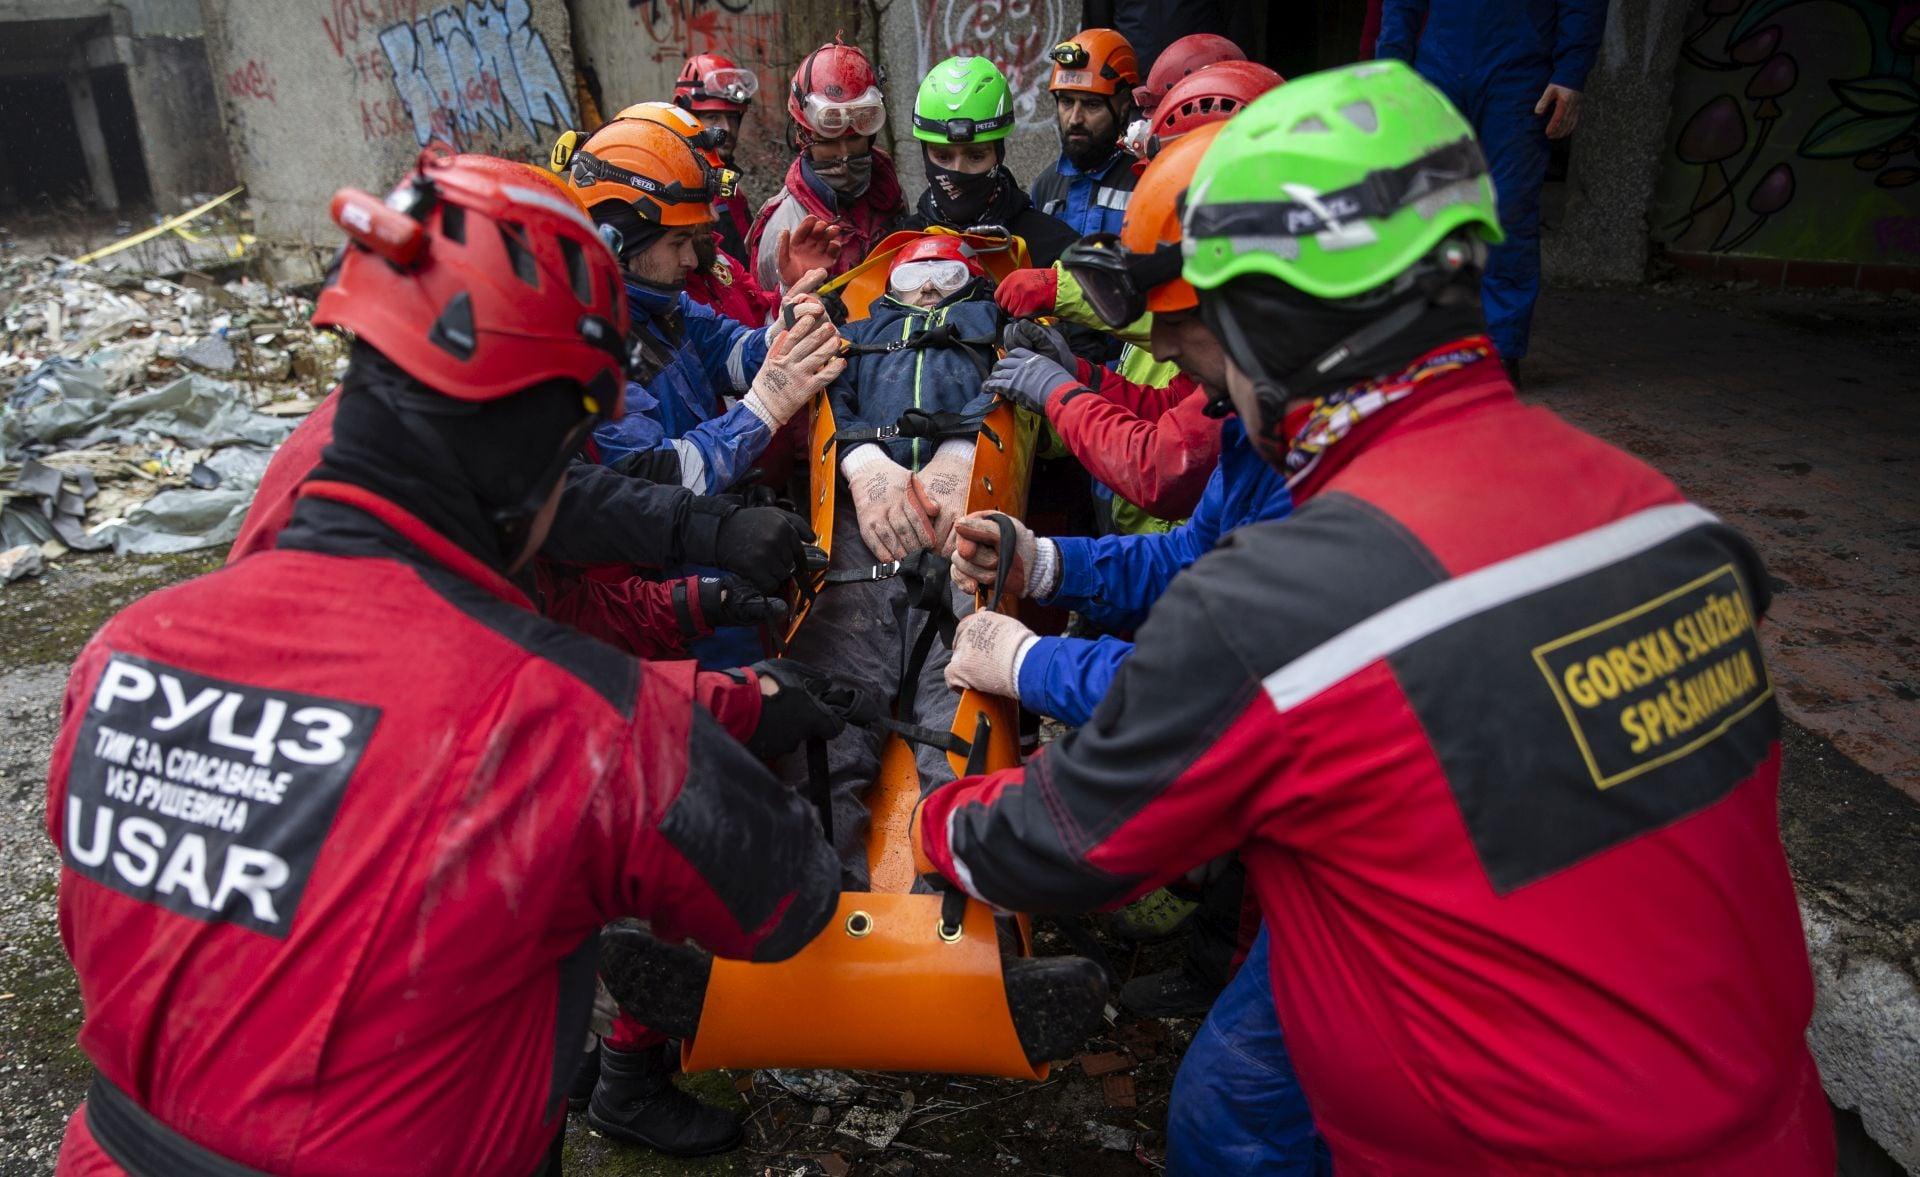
{"x": 335, "y": 861}
{"x": 728, "y": 287}
{"x": 1488, "y": 722}
{"x": 1154, "y": 446}
{"x": 876, "y": 213}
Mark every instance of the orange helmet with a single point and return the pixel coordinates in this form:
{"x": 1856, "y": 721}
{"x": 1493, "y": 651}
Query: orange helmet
{"x": 646, "y": 167}
{"x": 1137, "y": 270}
{"x": 1097, "y": 61}
{"x": 705, "y": 139}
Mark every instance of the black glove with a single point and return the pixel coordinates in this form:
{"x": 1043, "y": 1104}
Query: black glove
{"x": 810, "y": 704}
{"x": 728, "y": 600}
{"x": 1025, "y": 333}
{"x": 764, "y": 545}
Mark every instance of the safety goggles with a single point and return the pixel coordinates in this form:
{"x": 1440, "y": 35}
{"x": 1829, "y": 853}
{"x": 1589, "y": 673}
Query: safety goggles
{"x": 943, "y": 274}
{"x": 865, "y": 115}
{"x": 1139, "y": 135}
{"x": 737, "y": 86}
{"x": 1114, "y": 279}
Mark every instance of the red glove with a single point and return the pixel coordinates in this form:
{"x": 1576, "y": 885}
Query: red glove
{"x": 1028, "y": 292}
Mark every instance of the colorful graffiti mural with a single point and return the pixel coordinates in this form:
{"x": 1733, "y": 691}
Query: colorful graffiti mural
{"x": 753, "y": 36}
{"x": 1796, "y": 132}
{"x": 478, "y": 69}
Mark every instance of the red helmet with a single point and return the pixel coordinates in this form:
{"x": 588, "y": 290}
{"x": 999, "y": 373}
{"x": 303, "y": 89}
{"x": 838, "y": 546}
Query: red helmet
{"x": 480, "y": 280}
{"x": 836, "y": 92}
{"x": 710, "y": 81}
{"x": 938, "y": 247}
{"x": 1208, "y": 95}
{"x": 1196, "y": 51}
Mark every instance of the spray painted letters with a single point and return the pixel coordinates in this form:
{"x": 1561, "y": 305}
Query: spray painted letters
{"x": 474, "y": 69}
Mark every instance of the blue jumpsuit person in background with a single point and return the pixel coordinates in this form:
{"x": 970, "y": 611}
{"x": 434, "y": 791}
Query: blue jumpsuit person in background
{"x": 1515, "y": 68}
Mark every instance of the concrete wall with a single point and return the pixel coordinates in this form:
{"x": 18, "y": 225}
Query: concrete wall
{"x": 1617, "y": 152}
{"x": 328, "y": 93}
{"x": 178, "y": 110}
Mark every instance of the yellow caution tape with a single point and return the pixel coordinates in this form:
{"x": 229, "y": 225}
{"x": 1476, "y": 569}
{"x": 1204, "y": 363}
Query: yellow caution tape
{"x": 167, "y": 226}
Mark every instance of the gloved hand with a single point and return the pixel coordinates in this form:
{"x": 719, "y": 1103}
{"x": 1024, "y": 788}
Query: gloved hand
{"x": 1028, "y": 292}
{"x": 803, "y": 360}
{"x": 1025, "y": 333}
{"x": 765, "y": 545}
{"x": 727, "y": 601}
{"x": 801, "y": 703}
{"x": 986, "y": 650}
{"x": 943, "y": 483}
{"x": 892, "y": 520}
{"x": 813, "y": 245}
{"x": 1027, "y": 379}
{"x": 978, "y": 560}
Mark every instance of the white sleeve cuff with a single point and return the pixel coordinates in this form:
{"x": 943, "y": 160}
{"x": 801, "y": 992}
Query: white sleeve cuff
{"x": 861, "y": 456}
{"x": 1045, "y": 577}
{"x": 961, "y": 447}
{"x": 1020, "y": 659}
{"x": 759, "y": 408}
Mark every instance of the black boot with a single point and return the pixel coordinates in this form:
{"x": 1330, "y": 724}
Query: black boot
{"x": 1513, "y": 370}
{"x": 663, "y": 985}
{"x": 1056, "y": 1002}
{"x": 585, "y": 1079}
{"x": 636, "y": 1101}
{"x": 1172, "y": 993}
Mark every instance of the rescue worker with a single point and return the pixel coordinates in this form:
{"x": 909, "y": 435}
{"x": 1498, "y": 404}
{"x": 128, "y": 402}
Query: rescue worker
{"x": 1152, "y": 448}
{"x": 1487, "y": 719}
{"x": 962, "y": 117}
{"x": 714, "y": 89}
{"x": 650, "y": 191}
{"x": 1516, "y": 70}
{"x": 328, "y": 893}
{"x": 841, "y": 177}
{"x": 1092, "y": 83}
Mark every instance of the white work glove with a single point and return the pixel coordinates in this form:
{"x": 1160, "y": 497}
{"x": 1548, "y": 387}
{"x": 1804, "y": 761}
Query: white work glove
{"x": 987, "y": 648}
{"x": 943, "y": 484}
{"x": 893, "y": 519}
{"x": 1032, "y": 567}
{"x": 802, "y": 360}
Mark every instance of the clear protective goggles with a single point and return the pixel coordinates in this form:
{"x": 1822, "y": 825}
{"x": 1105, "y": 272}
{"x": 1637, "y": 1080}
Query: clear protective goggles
{"x": 943, "y": 274}
{"x": 865, "y": 115}
{"x": 729, "y": 85}
{"x": 1135, "y": 141}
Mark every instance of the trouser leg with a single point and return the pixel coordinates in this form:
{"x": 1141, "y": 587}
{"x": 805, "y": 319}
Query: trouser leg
{"x": 1515, "y": 142}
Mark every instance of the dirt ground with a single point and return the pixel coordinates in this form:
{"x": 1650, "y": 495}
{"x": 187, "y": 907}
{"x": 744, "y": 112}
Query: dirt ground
{"x": 1732, "y": 393}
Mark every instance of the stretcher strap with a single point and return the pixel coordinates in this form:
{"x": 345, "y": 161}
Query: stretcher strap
{"x": 939, "y": 335}
{"x": 918, "y": 423}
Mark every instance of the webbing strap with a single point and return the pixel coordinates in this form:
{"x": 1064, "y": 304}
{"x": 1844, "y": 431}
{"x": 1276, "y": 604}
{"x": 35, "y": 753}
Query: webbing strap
{"x": 918, "y": 423}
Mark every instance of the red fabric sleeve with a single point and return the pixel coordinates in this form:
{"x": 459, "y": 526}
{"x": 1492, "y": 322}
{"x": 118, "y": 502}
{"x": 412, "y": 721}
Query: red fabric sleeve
{"x": 1149, "y": 401}
{"x": 1159, "y": 464}
{"x": 734, "y": 703}
{"x": 631, "y": 613}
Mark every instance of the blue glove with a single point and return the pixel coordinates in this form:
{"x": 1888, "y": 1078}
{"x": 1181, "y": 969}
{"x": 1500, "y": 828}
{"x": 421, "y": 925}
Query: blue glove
{"x": 1027, "y": 378}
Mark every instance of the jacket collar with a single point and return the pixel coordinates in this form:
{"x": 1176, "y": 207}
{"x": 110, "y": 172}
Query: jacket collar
{"x": 415, "y": 532}
{"x": 1066, "y": 166}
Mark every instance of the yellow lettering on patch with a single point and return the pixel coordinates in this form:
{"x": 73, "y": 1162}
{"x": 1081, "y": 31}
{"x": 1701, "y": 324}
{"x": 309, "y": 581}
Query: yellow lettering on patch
{"x": 1661, "y": 680}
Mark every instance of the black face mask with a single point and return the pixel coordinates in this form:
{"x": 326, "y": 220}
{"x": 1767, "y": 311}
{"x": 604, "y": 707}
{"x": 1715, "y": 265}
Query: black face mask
{"x": 963, "y": 198}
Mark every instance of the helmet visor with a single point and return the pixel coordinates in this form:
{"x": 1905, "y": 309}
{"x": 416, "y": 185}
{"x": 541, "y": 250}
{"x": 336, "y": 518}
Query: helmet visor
{"x": 865, "y": 115}
{"x": 1115, "y": 280}
{"x": 943, "y": 274}
{"x": 730, "y": 85}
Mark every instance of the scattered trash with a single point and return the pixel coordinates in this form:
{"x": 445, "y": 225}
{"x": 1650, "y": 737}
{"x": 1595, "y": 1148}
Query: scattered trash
{"x": 876, "y": 1126}
{"x": 832, "y": 1087}
{"x": 1107, "y": 1136}
{"x": 16, "y": 562}
{"x": 142, "y": 410}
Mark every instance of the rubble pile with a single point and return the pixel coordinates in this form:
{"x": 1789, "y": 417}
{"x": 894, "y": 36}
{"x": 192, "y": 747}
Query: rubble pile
{"x": 140, "y": 411}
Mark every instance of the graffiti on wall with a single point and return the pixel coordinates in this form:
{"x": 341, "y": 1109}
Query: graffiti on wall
{"x": 1796, "y": 132}
{"x": 754, "y": 37}
{"x": 1013, "y": 34}
{"x": 463, "y": 71}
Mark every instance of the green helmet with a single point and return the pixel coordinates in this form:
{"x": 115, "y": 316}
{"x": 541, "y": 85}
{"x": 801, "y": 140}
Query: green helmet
{"x": 1336, "y": 183}
{"x": 963, "y": 100}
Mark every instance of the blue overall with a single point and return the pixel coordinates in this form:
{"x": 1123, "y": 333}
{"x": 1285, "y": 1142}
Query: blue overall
{"x": 1090, "y": 201}
{"x": 1494, "y": 59}
{"x": 1115, "y": 579}
{"x": 1236, "y": 1106}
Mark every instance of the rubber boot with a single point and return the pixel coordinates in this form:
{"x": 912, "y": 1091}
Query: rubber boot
{"x": 636, "y": 1101}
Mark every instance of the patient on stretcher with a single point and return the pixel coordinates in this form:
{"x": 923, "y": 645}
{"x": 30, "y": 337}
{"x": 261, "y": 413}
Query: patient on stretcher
{"x": 908, "y": 410}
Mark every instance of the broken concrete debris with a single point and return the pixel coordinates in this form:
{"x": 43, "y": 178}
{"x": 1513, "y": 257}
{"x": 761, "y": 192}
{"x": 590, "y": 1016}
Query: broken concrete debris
{"x": 139, "y": 412}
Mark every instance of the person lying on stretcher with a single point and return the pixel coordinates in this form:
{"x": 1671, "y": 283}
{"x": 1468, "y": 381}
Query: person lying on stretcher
{"x": 914, "y": 366}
